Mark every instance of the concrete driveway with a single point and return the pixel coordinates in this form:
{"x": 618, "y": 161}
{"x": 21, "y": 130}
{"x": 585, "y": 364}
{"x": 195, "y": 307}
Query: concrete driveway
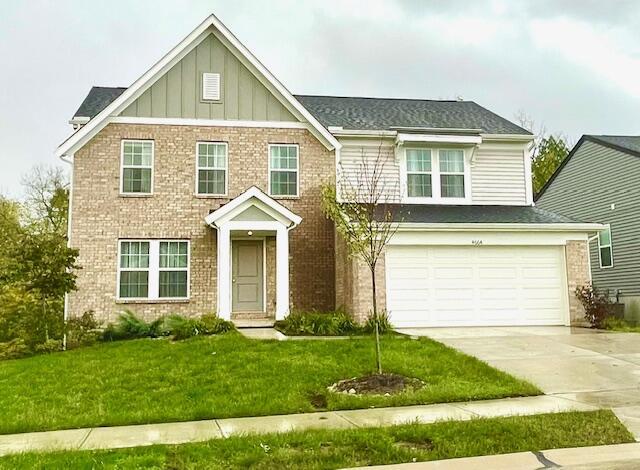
{"x": 590, "y": 366}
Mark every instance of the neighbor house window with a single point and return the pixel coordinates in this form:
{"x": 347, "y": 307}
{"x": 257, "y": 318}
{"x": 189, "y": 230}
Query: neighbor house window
{"x": 604, "y": 248}
{"x": 153, "y": 269}
{"x": 137, "y": 167}
{"x": 419, "y": 173}
{"x": 212, "y": 168}
{"x": 283, "y": 170}
{"x": 434, "y": 175}
{"x": 451, "y": 173}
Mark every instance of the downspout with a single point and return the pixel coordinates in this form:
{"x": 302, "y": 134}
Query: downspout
{"x": 65, "y": 314}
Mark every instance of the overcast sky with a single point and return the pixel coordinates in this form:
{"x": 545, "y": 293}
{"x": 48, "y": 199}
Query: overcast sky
{"x": 573, "y": 66}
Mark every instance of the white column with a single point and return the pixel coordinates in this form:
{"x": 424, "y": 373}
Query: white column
{"x": 282, "y": 273}
{"x": 224, "y": 275}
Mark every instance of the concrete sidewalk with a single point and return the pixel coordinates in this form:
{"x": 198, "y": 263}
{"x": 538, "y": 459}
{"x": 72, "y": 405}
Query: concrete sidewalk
{"x": 196, "y": 431}
{"x": 619, "y": 456}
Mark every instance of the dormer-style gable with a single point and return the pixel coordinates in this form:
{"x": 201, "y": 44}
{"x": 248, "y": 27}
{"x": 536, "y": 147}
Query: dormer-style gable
{"x": 217, "y": 78}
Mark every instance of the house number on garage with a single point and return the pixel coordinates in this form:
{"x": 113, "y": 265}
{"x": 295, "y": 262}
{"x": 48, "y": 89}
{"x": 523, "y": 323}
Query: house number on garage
{"x": 476, "y": 242}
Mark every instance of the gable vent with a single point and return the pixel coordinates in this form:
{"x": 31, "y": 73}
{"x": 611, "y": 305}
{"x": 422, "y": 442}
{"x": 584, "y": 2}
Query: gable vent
{"x": 211, "y": 86}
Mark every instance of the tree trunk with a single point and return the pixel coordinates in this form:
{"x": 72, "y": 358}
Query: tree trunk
{"x": 376, "y": 319}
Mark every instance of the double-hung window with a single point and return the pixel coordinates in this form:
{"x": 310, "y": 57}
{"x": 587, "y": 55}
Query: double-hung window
{"x": 605, "y": 248}
{"x": 419, "y": 173}
{"x": 211, "y": 160}
{"x": 137, "y": 167}
{"x": 435, "y": 175}
{"x": 153, "y": 269}
{"x": 134, "y": 269}
{"x": 283, "y": 170}
{"x": 451, "y": 173}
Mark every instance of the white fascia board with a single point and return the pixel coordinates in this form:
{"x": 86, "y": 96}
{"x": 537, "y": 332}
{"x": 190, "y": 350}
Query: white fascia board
{"x": 508, "y": 137}
{"x": 362, "y": 133}
{"x": 439, "y": 139}
{"x": 79, "y": 138}
{"x": 449, "y": 227}
{"x": 252, "y": 192}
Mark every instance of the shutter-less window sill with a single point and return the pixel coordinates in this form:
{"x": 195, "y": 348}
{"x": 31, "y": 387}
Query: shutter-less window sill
{"x": 153, "y": 301}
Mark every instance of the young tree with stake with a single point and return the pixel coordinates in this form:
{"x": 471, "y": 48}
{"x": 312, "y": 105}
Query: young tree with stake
{"x": 359, "y": 205}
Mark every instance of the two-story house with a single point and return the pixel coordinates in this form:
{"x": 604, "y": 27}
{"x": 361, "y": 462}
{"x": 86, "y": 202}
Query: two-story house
{"x": 197, "y": 189}
{"x": 598, "y": 181}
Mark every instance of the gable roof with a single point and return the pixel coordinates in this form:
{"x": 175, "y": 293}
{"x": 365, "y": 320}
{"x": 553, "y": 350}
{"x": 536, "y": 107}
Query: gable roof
{"x": 356, "y": 113}
{"x": 210, "y": 25}
{"x": 99, "y": 97}
{"x": 366, "y": 113}
{"x": 628, "y": 144}
{"x": 238, "y": 204}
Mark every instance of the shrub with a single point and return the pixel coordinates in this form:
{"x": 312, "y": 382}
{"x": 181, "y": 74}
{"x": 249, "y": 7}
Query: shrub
{"x": 183, "y": 328}
{"x": 384, "y": 325}
{"x": 213, "y": 325}
{"x": 129, "y": 326}
{"x": 209, "y": 324}
{"x": 14, "y": 349}
{"x": 82, "y": 331}
{"x": 48, "y": 347}
{"x": 25, "y": 316}
{"x": 597, "y": 305}
{"x": 318, "y": 323}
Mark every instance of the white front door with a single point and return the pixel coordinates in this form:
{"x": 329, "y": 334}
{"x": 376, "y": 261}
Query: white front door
{"x": 476, "y": 286}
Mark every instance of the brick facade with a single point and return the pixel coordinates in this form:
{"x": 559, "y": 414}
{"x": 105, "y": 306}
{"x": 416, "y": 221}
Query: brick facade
{"x": 100, "y": 216}
{"x": 353, "y": 284}
{"x": 578, "y": 274}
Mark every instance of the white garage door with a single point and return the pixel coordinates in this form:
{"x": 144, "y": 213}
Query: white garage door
{"x": 475, "y": 286}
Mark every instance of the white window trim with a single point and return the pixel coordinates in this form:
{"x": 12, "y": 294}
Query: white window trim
{"x": 284, "y": 196}
{"x": 122, "y": 167}
{"x": 436, "y": 197}
{"x": 610, "y": 246}
{"x": 154, "y": 271}
{"x": 226, "y": 170}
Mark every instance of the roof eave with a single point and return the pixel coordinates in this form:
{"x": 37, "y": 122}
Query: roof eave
{"x": 502, "y": 227}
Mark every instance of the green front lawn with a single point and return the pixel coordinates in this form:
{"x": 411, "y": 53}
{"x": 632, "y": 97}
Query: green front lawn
{"x": 149, "y": 381}
{"x": 346, "y": 448}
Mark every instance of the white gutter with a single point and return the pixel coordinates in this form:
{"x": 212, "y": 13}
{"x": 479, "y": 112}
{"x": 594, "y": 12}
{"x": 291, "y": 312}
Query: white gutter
{"x": 500, "y": 227}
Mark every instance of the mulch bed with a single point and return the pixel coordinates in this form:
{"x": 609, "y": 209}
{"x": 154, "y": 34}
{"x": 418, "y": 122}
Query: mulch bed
{"x": 377, "y": 384}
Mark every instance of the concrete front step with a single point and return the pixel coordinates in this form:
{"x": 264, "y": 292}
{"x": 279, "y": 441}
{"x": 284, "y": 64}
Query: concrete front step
{"x": 264, "y": 322}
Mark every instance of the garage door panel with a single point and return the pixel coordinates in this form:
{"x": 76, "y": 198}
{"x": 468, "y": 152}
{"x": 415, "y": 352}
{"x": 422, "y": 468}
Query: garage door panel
{"x": 482, "y": 286}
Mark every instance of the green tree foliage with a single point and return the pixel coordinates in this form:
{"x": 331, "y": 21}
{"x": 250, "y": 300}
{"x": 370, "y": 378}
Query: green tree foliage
{"x": 36, "y": 266}
{"x": 362, "y": 215}
{"x": 549, "y": 153}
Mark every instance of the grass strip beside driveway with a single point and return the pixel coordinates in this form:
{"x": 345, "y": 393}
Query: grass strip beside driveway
{"x": 358, "y": 447}
{"x": 153, "y": 381}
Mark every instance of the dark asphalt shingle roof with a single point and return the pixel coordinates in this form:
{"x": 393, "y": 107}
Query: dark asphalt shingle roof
{"x": 386, "y": 113}
{"x": 432, "y": 214}
{"x": 628, "y": 142}
{"x": 99, "y": 97}
{"x": 365, "y": 113}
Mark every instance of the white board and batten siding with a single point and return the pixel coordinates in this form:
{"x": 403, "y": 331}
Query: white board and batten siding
{"x": 444, "y": 286}
{"x": 498, "y": 175}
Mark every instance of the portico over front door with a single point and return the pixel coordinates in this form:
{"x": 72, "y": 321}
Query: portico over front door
{"x": 247, "y": 276}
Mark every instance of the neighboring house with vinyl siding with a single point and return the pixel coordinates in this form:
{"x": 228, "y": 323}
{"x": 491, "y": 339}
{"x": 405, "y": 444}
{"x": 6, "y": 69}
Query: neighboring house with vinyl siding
{"x": 600, "y": 182}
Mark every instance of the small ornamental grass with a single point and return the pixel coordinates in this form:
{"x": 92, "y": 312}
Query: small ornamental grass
{"x": 130, "y": 326}
{"x": 338, "y": 323}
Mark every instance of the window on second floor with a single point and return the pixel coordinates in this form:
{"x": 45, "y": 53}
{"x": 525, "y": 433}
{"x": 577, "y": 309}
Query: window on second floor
{"x": 435, "y": 175}
{"x": 137, "y": 167}
{"x": 211, "y": 172}
{"x": 605, "y": 248}
{"x": 283, "y": 170}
